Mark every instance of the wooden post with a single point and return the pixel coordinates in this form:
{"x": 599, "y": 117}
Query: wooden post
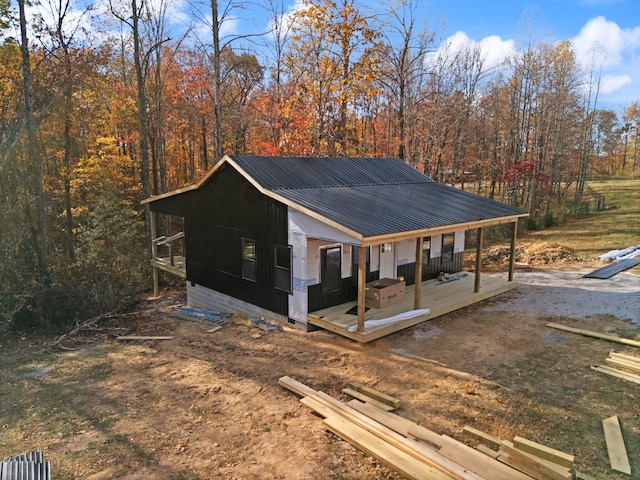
{"x": 362, "y": 282}
{"x": 417, "y": 294}
{"x": 476, "y": 287}
{"x": 512, "y": 252}
{"x": 154, "y": 254}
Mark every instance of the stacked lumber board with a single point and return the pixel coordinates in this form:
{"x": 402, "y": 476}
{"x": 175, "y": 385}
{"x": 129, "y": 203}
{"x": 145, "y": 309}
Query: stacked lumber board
{"x": 402, "y": 445}
{"x": 622, "y": 366}
{"x": 534, "y": 459}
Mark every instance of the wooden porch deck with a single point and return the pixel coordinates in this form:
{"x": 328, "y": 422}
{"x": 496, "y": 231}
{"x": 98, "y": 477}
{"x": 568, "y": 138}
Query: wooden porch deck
{"x": 439, "y": 297}
{"x": 175, "y": 264}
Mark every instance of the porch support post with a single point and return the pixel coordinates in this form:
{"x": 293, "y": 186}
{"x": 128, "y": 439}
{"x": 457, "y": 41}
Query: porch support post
{"x": 154, "y": 253}
{"x": 512, "y": 252}
{"x": 417, "y": 294}
{"x": 476, "y": 287}
{"x": 362, "y": 281}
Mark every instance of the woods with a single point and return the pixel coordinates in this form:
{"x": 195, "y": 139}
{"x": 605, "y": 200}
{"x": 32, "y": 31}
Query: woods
{"x": 106, "y": 104}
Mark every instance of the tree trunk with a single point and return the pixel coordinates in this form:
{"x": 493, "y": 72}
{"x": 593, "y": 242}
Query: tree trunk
{"x": 32, "y": 148}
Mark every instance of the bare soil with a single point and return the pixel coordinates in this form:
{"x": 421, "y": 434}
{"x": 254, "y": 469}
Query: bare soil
{"x": 208, "y": 405}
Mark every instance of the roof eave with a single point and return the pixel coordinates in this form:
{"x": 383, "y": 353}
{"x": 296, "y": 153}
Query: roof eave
{"x": 412, "y": 234}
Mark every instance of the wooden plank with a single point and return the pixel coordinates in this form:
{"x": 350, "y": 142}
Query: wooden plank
{"x": 330, "y": 408}
{"x": 544, "y": 452}
{"x": 482, "y": 437}
{"x": 616, "y": 373}
{"x": 296, "y": 386}
{"x": 622, "y": 364}
{"x": 478, "y": 462}
{"x": 410, "y": 446}
{"x": 624, "y": 356}
{"x": 487, "y": 451}
{"x": 214, "y": 329}
{"x": 532, "y": 465}
{"x": 370, "y": 392}
{"x": 456, "y": 451}
{"x": 368, "y": 399}
{"x": 139, "y": 337}
{"x": 615, "y": 445}
{"x": 396, "y": 423}
{"x": 602, "y": 336}
{"x": 392, "y": 457}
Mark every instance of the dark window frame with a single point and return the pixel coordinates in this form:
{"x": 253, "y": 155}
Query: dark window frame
{"x": 426, "y": 256}
{"x": 279, "y": 269}
{"x": 447, "y": 250}
{"x": 249, "y": 262}
{"x": 330, "y": 285}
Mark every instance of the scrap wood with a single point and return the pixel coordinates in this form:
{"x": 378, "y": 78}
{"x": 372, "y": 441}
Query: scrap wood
{"x": 615, "y": 445}
{"x": 544, "y": 452}
{"x": 390, "y": 456}
{"x": 614, "y": 372}
{"x": 366, "y": 433}
{"x": 624, "y": 362}
{"x": 331, "y": 409}
{"x": 141, "y": 337}
{"x": 88, "y": 323}
{"x": 532, "y": 464}
{"x": 482, "y": 437}
{"x": 602, "y": 336}
{"x": 531, "y": 458}
{"x": 372, "y": 393}
{"x": 367, "y": 399}
{"x": 413, "y": 437}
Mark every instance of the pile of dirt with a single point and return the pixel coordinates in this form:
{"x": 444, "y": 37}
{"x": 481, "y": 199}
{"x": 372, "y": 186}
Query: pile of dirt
{"x": 534, "y": 254}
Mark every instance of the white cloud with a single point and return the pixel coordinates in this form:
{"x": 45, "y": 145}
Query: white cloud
{"x": 494, "y": 49}
{"x": 497, "y": 50}
{"x": 613, "y": 83}
{"x": 605, "y": 39}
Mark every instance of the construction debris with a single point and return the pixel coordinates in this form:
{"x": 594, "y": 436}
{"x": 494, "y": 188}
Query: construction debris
{"x": 419, "y": 453}
{"x": 142, "y": 337}
{"x": 262, "y": 324}
{"x": 622, "y": 366}
{"x": 602, "y": 336}
{"x": 612, "y": 269}
{"x": 615, "y": 445}
{"x": 210, "y": 317}
{"x": 29, "y": 466}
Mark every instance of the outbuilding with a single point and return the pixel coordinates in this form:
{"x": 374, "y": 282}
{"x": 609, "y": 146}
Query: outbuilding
{"x": 360, "y": 246}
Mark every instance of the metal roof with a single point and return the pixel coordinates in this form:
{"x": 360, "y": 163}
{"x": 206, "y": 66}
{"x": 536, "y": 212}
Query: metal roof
{"x": 368, "y": 197}
{"x": 319, "y": 172}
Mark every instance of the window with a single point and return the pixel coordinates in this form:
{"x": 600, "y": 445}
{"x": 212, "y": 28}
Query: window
{"x": 426, "y": 257}
{"x": 330, "y": 267}
{"x": 282, "y": 259}
{"x": 447, "y": 247}
{"x": 249, "y": 259}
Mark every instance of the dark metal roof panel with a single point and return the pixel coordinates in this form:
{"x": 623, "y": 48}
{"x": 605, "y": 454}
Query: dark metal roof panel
{"x": 387, "y": 209}
{"x": 315, "y": 172}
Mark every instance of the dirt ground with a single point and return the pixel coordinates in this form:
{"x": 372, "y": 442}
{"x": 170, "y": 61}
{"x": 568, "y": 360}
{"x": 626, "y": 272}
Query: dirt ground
{"x": 208, "y": 405}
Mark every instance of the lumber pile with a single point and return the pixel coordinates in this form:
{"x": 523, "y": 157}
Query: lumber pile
{"x": 536, "y": 460}
{"x": 406, "y": 447}
{"x": 622, "y": 366}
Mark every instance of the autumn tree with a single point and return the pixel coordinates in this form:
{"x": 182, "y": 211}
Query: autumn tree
{"x": 332, "y": 60}
{"x": 403, "y": 69}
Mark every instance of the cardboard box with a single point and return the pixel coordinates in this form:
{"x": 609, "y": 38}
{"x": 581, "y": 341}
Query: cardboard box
{"x": 383, "y": 292}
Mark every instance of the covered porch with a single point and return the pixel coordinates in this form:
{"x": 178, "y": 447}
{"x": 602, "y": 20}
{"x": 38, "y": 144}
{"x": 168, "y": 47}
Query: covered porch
{"x": 438, "y": 297}
{"x": 423, "y": 300}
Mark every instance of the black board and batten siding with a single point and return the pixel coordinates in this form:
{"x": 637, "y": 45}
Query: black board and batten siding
{"x": 217, "y": 218}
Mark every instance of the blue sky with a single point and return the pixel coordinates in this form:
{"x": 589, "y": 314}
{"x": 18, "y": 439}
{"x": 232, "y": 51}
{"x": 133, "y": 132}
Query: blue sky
{"x": 501, "y": 26}
{"x": 614, "y": 25}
